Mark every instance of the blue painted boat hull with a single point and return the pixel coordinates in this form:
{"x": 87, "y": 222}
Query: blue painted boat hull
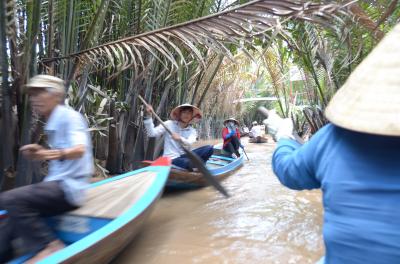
{"x": 219, "y": 166}
{"x": 99, "y": 240}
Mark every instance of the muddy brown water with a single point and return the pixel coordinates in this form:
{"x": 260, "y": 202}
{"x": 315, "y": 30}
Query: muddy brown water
{"x": 263, "y": 222}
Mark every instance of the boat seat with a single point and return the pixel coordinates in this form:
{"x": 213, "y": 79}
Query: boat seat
{"x": 111, "y": 199}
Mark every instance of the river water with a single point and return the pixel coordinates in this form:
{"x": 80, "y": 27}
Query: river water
{"x": 263, "y": 222}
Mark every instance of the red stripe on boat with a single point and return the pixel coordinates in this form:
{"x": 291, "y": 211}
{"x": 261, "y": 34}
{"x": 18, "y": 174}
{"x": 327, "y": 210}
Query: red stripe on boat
{"x": 3, "y": 215}
{"x": 162, "y": 161}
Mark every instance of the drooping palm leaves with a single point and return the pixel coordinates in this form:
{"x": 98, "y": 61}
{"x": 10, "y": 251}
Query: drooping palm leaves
{"x": 236, "y": 26}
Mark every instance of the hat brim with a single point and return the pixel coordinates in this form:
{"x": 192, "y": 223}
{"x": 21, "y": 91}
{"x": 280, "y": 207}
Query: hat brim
{"x": 45, "y": 82}
{"x": 369, "y": 101}
{"x": 197, "y": 114}
{"x": 231, "y": 119}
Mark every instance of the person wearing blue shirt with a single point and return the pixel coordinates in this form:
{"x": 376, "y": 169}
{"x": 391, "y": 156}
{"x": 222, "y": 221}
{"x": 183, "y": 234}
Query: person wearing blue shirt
{"x": 355, "y": 160}
{"x": 63, "y": 189}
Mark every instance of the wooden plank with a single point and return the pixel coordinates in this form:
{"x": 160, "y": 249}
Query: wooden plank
{"x": 112, "y": 199}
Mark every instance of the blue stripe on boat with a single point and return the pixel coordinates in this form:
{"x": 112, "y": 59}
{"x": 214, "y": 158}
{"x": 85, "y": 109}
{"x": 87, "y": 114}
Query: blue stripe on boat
{"x": 222, "y": 157}
{"x": 226, "y": 168}
{"x": 216, "y": 163}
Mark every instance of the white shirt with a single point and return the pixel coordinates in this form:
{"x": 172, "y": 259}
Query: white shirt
{"x": 67, "y": 128}
{"x": 171, "y": 147}
{"x": 256, "y": 131}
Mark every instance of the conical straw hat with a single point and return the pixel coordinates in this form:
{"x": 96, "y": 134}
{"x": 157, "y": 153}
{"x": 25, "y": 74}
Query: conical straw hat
{"x": 369, "y": 101}
{"x": 197, "y": 115}
{"x": 231, "y": 119}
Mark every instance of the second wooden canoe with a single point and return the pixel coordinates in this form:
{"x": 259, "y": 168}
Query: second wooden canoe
{"x": 115, "y": 210}
{"x": 219, "y": 166}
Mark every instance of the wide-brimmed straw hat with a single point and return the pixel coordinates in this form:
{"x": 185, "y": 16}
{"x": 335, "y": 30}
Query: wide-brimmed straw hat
{"x": 231, "y": 119}
{"x": 197, "y": 115}
{"x": 47, "y": 82}
{"x": 369, "y": 101}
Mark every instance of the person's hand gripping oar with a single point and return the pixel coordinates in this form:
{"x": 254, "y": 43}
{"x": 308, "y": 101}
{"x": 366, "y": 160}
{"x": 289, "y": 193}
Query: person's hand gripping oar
{"x": 196, "y": 160}
{"x": 279, "y": 127}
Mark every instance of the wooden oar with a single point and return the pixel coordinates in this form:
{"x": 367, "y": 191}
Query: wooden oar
{"x": 196, "y": 160}
{"x": 245, "y": 153}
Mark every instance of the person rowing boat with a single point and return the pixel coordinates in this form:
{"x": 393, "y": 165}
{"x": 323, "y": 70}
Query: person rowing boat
{"x": 182, "y": 117}
{"x": 63, "y": 189}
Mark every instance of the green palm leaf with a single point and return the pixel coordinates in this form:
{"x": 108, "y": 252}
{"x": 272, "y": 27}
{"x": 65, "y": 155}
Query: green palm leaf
{"x": 236, "y": 26}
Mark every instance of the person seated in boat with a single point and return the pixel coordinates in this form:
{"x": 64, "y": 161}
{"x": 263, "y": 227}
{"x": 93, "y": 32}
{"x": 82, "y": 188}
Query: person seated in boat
{"x": 354, "y": 160}
{"x": 231, "y": 137}
{"x": 180, "y": 124}
{"x": 245, "y": 131}
{"x": 62, "y": 190}
{"x": 256, "y": 133}
{"x": 255, "y": 130}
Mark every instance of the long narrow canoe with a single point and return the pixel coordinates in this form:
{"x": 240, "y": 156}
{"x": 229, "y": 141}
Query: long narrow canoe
{"x": 113, "y": 214}
{"x": 259, "y": 139}
{"x": 220, "y": 167}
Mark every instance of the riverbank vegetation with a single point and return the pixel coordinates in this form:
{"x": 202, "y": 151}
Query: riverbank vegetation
{"x": 208, "y": 53}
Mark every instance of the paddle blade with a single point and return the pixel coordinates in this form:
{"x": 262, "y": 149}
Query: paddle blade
{"x": 198, "y": 163}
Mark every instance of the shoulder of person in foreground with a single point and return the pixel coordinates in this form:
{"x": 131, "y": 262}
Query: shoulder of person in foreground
{"x": 296, "y": 164}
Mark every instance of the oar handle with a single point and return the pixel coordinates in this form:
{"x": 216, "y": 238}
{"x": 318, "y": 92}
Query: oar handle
{"x": 265, "y": 112}
{"x": 155, "y": 115}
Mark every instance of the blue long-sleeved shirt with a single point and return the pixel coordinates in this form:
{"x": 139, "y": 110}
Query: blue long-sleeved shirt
{"x": 359, "y": 175}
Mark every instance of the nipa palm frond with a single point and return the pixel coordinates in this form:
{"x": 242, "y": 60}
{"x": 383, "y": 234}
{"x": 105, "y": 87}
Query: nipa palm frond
{"x": 236, "y": 26}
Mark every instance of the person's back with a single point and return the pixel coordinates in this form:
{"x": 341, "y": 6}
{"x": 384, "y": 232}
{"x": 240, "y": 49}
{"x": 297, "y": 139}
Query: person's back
{"x": 359, "y": 175}
{"x": 361, "y": 202}
{"x": 358, "y": 172}
{"x": 256, "y": 131}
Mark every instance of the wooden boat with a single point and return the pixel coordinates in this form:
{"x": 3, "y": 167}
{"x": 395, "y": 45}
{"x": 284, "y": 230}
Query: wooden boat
{"x": 258, "y": 139}
{"x": 113, "y": 214}
{"x": 244, "y": 134}
{"x": 220, "y": 167}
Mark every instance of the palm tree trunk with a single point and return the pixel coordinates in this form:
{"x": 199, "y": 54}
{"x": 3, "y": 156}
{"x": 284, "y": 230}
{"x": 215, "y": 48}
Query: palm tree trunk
{"x": 220, "y": 59}
{"x": 25, "y": 167}
{"x": 6, "y": 147}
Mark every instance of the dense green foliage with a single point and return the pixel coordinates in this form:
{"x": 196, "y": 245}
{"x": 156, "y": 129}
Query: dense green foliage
{"x": 210, "y": 71}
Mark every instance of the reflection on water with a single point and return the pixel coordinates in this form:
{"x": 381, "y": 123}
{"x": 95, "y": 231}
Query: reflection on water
{"x": 262, "y": 222}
